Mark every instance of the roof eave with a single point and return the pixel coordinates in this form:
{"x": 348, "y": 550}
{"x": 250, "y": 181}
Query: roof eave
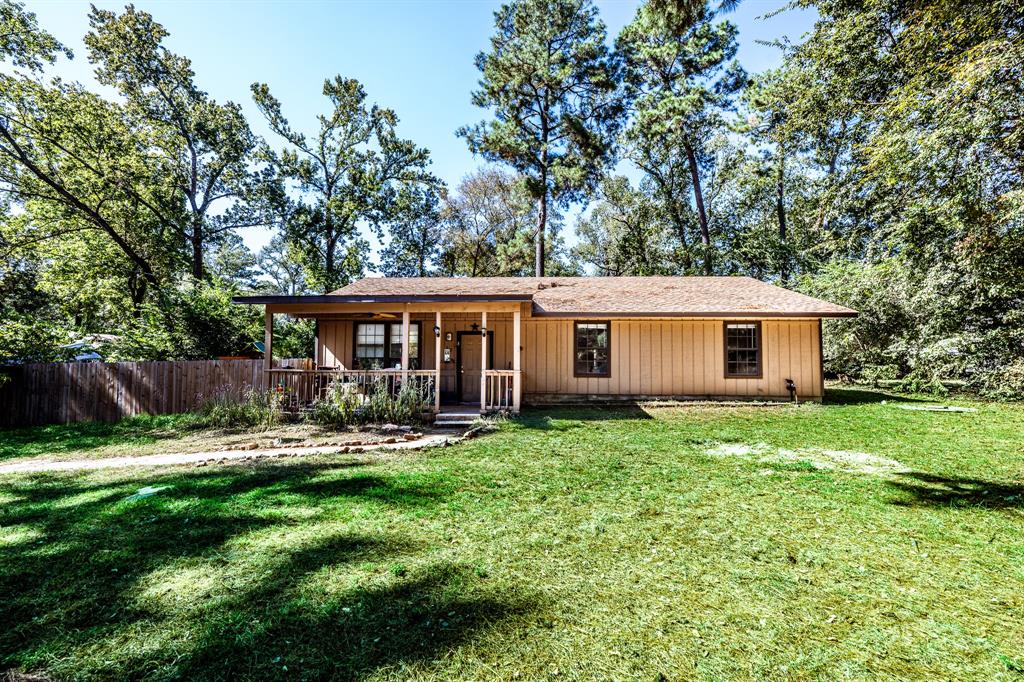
{"x": 380, "y": 298}
{"x": 705, "y": 314}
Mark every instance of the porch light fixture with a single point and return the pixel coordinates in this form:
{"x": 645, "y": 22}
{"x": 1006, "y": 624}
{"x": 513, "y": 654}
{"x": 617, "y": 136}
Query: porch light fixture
{"x": 437, "y": 332}
{"x": 483, "y": 331}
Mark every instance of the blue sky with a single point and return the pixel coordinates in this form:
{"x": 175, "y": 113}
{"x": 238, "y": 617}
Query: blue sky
{"x": 414, "y": 56}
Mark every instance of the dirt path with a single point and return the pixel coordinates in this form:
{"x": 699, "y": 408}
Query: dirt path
{"x": 177, "y": 458}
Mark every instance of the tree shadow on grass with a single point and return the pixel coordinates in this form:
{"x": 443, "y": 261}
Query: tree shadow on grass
{"x": 311, "y": 479}
{"x": 864, "y": 396}
{"x": 413, "y": 619}
{"x": 368, "y": 486}
{"x": 72, "y": 584}
{"x": 838, "y": 396}
{"x": 58, "y": 438}
{"x": 571, "y": 416}
{"x": 928, "y": 490}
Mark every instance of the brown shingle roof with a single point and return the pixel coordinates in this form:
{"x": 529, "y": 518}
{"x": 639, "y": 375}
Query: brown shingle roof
{"x": 614, "y": 296}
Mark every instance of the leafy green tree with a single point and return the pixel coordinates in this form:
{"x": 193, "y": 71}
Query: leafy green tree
{"x": 203, "y": 151}
{"x": 281, "y": 268}
{"x": 22, "y": 42}
{"x": 668, "y": 183}
{"x": 75, "y": 164}
{"x": 767, "y": 125}
{"x": 488, "y": 226}
{"x": 553, "y": 86}
{"x": 415, "y": 235}
{"x": 623, "y": 235}
{"x": 199, "y": 322}
{"x": 354, "y": 170}
{"x": 914, "y": 111}
{"x": 19, "y": 282}
{"x": 745, "y": 208}
{"x": 294, "y": 338}
{"x": 682, "y": 78}
{"x": 98, "y": 233}
{"x": 31, "y": 338}
{"x": 230, "y": 260}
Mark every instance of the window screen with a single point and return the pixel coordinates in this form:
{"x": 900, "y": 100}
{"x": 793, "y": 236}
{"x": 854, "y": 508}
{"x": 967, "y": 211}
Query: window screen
{"x": 743, "y": 349}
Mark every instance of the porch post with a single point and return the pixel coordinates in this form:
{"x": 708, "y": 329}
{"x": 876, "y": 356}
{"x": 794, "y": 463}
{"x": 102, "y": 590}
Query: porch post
{"x": 437, "y": 362}
{"x": 483, "y": 362}
{"x": 316, "y": 343}
{"x": 517, "y": 378}
{"x": 268, "y": 346}
{"x": 405, "y": 346}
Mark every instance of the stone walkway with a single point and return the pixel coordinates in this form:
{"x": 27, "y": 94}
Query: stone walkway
{"x": 200, "y": 458}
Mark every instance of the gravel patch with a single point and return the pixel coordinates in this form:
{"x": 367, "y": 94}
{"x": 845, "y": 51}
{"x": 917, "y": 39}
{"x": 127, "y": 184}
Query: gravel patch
{"x": 819, "y": 458}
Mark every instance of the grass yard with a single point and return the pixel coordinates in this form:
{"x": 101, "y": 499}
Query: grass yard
{"x": 156, "y": 435}
{"x": 847, "y": 540}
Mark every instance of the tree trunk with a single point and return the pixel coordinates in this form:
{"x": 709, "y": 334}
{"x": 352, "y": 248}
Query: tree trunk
{"x": 542, "y": 204}
{"x": 137, "y": 290}
{"x": 542, "y": 219}
{"x": 198, "y": 271}
{"x": 780, "y": 208}
{"x": 680, "y": 226}
{"x": 329, "y": 243}
{"x": 698, "y": 195}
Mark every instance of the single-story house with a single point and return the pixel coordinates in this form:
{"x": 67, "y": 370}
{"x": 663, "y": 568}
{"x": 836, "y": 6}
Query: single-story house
{"x": 499, "y": 342}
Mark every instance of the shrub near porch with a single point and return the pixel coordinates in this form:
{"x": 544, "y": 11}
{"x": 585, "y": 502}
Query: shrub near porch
{"x": 693, "y": 542}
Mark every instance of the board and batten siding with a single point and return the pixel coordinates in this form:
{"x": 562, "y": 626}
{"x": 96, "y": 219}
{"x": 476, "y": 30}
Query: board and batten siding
{"x": 681, "y": 357}
{"x": 335, "y": 347}
{"x": 671, "y": 358}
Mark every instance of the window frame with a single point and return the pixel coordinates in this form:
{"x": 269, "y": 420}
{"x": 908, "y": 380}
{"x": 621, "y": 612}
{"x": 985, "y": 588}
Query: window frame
{"x": 760, "y": 349}
{"x": 575, "y": 348}
{"x": 418, "y": 356}
{"x": 387, "y": 364}
{"x": 355, "y": 340}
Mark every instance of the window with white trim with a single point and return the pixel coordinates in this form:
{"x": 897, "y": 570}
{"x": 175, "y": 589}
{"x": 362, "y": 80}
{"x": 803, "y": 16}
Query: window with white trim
{"x": 395, "y": 345}
{"x": 369, "y": 351}
{"x": 378, "y": 345}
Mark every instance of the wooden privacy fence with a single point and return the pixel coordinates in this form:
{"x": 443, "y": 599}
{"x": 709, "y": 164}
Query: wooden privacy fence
{"x": 60, "y": 393}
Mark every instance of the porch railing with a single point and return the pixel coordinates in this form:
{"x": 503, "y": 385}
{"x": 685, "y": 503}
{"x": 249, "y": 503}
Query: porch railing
{"x": 500, "y": 384}
{"x": 299, "y": 388}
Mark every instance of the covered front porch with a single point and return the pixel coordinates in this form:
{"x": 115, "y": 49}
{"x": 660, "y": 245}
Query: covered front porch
{"x": 449, "y": 353}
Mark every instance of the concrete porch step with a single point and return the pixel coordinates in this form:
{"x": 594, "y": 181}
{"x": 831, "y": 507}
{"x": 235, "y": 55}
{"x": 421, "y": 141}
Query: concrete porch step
{"x": 456, "y": 418}
{"x": 453, "y": 425}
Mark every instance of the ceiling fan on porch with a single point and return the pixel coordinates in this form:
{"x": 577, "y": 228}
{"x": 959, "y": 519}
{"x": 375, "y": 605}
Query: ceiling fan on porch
{"x": 384, "y": 316}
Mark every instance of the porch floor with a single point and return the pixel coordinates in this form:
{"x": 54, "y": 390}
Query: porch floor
{"x": 460, "y": 408}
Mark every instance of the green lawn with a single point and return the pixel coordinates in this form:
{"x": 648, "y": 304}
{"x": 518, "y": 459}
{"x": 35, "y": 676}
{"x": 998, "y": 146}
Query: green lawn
{"x": 85, "y": 438}
{"x": 155, "y": 435}
{"x": 660, "y": 543}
